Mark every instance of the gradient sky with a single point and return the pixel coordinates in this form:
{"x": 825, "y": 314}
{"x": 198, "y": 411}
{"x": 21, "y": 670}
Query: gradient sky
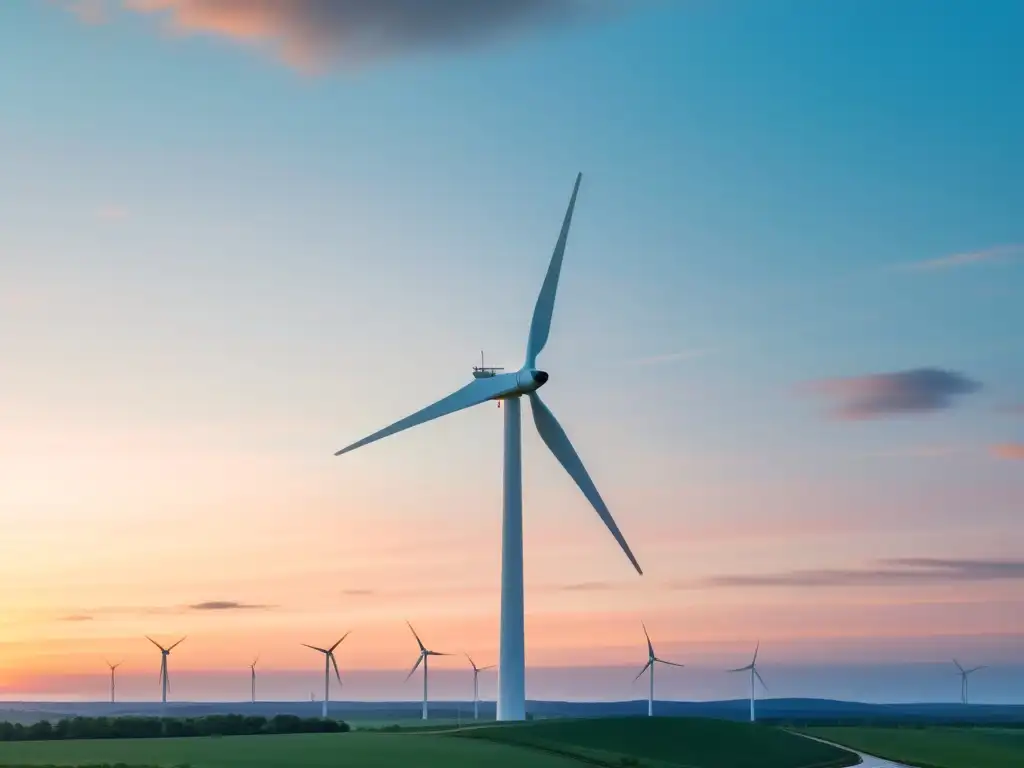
{"x": 235, "y": 237}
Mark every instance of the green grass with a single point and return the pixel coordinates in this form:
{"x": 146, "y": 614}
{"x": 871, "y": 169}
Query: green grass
{"x": 934, "y": 747}
{"x": 345, "y": 750}
{"x": 664, "y": 741}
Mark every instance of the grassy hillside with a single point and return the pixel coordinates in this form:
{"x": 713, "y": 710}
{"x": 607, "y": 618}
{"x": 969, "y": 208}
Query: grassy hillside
{"x": 350, "y": 750}
{"x": 934, "y": 747}
{"x": 665, "y": 741}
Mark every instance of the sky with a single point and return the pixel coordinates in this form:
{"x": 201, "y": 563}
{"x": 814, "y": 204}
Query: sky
{"x": 237, "y": 236}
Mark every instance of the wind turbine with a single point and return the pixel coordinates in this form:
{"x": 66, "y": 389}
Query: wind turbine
{"x": 112, "y": 668}
{"x": 489, "y": 384}
{"x": 165, "y": 682}
{"x": 476, "y": 688}
{"x": 964, "y": 674}
{"x": 752, "y": 666}
{"x": 252, "y": 669}
{"x": 652, "y": 659}
{"x": 328, "y": 661}
{"x": 424, "y": 654}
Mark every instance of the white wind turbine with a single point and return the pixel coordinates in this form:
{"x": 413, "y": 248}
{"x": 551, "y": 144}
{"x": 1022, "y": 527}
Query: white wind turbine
{"x": 489, "y": 384}
{"x": 652, "y": 659}
{"x": 476, "y": 688}
{"x": 964, "y": 674}
{"x": 752, "y": 667}
{"x": 328, "y": 661}
{"x": 112, "y": 668}
{"x": 252, "y": 670}
{"x": 424, "y": 654}
{"x": 165, "y": 682}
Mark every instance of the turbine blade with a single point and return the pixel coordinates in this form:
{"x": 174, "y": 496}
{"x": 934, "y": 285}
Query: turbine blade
{"x": 471, "y": 663}
{"x": 557, "y": 441}
{"x": 540, "y": 327}
{"x": 670, "y": 663}
{"x": 414, "y": 666}
{"x": 177, "y": 644}
{"x": 969, "y": 671}
{"x": 489, "y": 666}
{"x": 641, "y": 672}
{"x": 741, "y": 669}
{"x": 322, "y": 650}
{"x": 437, "y": 653}
{"x": 476, "y": 392}
{"x": 758, "y": 676}
{"x": 650, "y": 648}
{"x": 334, "y": 661}
{"x": 340, "y": 641}
{"x": 418, "y": 641}
{"x": 756, "y": 649}
{"x": 958, "y": 665}
{"x": 154, "y": 642}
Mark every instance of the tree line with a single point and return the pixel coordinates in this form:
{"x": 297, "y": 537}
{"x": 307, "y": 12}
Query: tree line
{"x": 129, "y": 727}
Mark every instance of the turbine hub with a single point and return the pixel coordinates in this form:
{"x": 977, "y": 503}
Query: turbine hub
{"x": 529, "y": 379}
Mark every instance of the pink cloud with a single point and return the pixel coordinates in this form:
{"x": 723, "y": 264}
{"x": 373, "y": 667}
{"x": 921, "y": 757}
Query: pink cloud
{"x": 1011, "y": 451}
{"x": 968, "y": 258}
{"x": 308, "y": 33}
{"x": 882, "y": 395}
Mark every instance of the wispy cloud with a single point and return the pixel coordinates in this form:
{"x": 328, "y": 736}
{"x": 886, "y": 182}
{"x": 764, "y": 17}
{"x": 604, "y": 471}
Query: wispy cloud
{"x": 588, "y": 586}
{"x": 112, "y": 213}
{"x": 889, "y": 572}
{"x": 669, "y": 357}
{"x": 88, "y": 11}
{"x": 922, "y": 452}
{"x": 876, "y": 396}
{"x": 308, "y": 34}
{"x": 227, "y": 605}
{"x": 76, "y": 617}
{"x": 1011, "y": 451}
{"x": 358, "y": 592}
{"x": 995, "y": 254}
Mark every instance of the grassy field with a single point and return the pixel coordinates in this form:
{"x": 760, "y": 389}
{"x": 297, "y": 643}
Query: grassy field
{"x": 935, "y": 747}
{"x": 638, "y": 741}
{"x": 347, "y": 750}
{"x": 664, "y": 741}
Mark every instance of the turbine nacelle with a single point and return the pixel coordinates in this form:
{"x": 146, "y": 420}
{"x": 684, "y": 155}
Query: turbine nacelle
{"x": 530, "y": 380}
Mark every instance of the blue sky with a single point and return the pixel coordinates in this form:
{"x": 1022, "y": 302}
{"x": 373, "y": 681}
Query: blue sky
{"x": 218, "y": 267}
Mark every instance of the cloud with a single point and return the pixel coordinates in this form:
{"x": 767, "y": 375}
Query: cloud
{"x": 891, "y": 572}
{"x": 227, "y": 605}
{"x": 112, "y": 213}
{"x": 921, "y": 390}
{"x": 87, "y": 11}
{"x": 358, "y": 592}
{"x": 999, "y": 253}
{"x": 309, "y": 33}
{"x": 588, "y": 586}
{"x": 1011, "y": 451}
{"x": 76, "y": 617}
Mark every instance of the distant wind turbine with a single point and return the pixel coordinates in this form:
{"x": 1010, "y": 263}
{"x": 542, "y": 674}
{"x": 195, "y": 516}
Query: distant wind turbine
{"x": 165, "y": 683}
{"x": 424, "y": 654}
{"x": 752, "y": 667}
{"x": 964, "y": 674}
{"x": 328, "y": 661}
{"x": 476, "y": 688}
{"x": 252, "y": 669}
{"x": 112, "y": 668}
{"x": 491, "y": 384}
{"x": 652, "y": 659}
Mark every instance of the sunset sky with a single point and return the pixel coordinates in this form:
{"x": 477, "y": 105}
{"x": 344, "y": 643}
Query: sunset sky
{"x": 236, "y": 236}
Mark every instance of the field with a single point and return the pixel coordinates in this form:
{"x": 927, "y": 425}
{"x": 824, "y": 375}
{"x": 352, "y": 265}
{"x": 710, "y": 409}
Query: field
{"x": 935, "y": 747}
{"x": 666, "y": 741}
{"x": 642, "y": 742}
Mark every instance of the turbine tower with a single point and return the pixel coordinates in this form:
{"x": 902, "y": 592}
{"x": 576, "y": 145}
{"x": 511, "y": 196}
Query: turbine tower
{"x": 252, "y": 669}
{"x": 165, "y": 683}
{"x": 490, "y": 384}
{"x": 964, "y": 674}
{"x": 424, "y": 654}
{"x": 112, "y": 668}
{"x": 328, "y": 661}
{"x": 752, "y": 667}
{"x": 476, "y": 688}
{"x": 652, "y": 659}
